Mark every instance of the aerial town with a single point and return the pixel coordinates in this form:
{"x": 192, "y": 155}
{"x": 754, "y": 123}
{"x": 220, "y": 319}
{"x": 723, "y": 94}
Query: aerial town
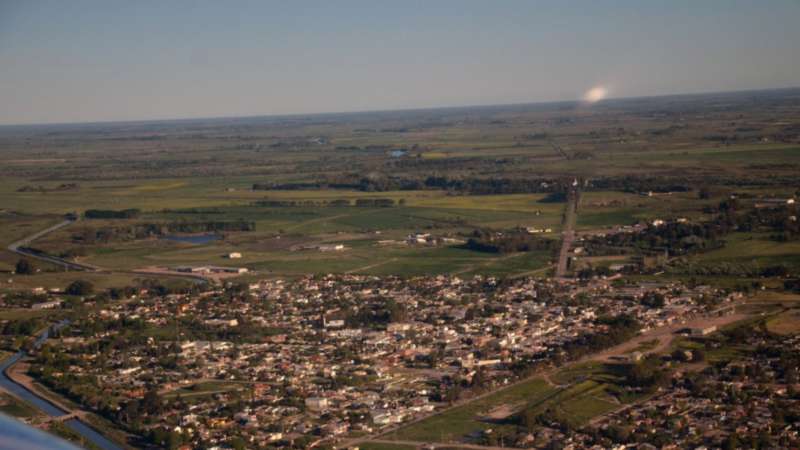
{"x": 361, "y": 225}
{"x": 322, "y": 359}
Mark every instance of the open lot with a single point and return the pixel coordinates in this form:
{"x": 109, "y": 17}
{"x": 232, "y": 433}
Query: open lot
{"x": 456, "y": 423}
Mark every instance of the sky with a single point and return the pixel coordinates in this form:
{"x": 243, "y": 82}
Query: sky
{"x": 104, "y": 60}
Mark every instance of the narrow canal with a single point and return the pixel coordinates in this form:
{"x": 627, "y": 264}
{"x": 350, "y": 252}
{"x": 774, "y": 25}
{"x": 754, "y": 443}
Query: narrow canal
{"x": 43, "y": 404}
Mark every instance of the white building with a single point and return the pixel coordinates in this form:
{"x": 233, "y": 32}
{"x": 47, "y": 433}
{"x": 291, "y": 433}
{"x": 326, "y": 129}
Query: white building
{"x": 317, "y": 404}
{"x": 330, "y": 247}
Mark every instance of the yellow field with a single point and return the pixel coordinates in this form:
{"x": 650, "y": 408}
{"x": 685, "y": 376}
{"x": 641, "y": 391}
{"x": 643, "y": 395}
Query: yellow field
{"x": 786, "y": 323}
{"x": 160, "y": 186}
{"x": 434, "y": 155}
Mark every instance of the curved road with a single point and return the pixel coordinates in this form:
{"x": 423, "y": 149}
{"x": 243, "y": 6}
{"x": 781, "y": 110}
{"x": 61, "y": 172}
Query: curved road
{"x": 18, "y": 247}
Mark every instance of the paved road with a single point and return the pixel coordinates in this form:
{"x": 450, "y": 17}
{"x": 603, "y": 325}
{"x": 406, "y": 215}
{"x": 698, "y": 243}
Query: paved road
{"x": 19, "y": 248}
{"x": 567, "y": 235}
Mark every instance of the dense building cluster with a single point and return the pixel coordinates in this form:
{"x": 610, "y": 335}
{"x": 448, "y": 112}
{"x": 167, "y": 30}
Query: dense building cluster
{"x": 750, "y": 401}
{"x": 321, "y": 358}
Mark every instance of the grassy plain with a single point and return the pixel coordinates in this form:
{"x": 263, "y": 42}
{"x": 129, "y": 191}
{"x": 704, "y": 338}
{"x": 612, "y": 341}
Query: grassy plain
{"x": 787, "y": 324}
{"x": 166, "y": 168}
{"x": 360, "y": 229}
{"x": 456, "y": 423}
{"x": 16, "y": 408}
{"x": 383, "y": 446}
{"x": 603, "y": 209}
{"x": 579, "y": 392}
{"x": 753, "y": 249}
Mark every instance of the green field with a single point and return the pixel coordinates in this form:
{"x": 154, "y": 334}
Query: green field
{"x": 456, "y": 423}
{"x": 582, "y": 392}
{"x": 753, "y": 249}
{"x": 786, "y": 324}
{"x": 204, "y": 389}
{"x": 23, "y": 314}
{"x": 17, "y": 408}
{"x": 382, "y": 446}
{"x": 604, "y": 209}
{"x": 166, "y": 169}
{"x": 274, "y": 247}
{"x": 100, "y": 280}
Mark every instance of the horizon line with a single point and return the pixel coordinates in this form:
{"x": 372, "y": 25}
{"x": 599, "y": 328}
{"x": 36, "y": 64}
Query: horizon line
{"x": 377, "y": 111}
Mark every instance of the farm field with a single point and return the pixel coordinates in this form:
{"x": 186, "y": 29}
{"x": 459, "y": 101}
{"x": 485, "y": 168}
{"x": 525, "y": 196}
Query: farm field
{"x": 456, "y": 423}
{"x": 100, "y": 280}
{"x": 382, "y": 446}
{"x": 448, "y": 171}
{"x": 598, "y": 210}
{"x": 752, "y": 249}
{"x": 785, "y": 324}
{"x": 280, "y": 231}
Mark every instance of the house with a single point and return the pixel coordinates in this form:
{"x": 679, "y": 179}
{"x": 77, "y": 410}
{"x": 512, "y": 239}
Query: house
{"x": 129, "y": 370}
{"x": 635, "y": 356}
{"x": 333, "y": 323}
{"x": 222, "y": 322}
{"x": 190, "y": 269}
{"x": 234, "y": 255}
{"x": 330, "y": 247}
{"x": 398, "y": 327}
{"x": 487, "y": 362}
{"x": 47, "y": 305}
{"x": 418, "y": 238}
{"x": 702, "y": 331}
{"x": 774, "y": 202}
{"x": 382, "y": 417}
{"x": 317, "y": 404}
{"x": 221, "y": 269}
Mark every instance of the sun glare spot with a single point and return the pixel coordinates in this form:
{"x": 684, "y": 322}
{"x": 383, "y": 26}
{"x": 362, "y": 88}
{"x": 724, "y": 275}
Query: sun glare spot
{"x": 595, "y": 94}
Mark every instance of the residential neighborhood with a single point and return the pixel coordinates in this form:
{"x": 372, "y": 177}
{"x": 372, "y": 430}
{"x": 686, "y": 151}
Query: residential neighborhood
{"x": 323, "y": 359}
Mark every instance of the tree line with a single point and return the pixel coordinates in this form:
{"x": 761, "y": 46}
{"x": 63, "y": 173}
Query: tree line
{"x": 131, "y": 213}
{"x": 513, "y": 241}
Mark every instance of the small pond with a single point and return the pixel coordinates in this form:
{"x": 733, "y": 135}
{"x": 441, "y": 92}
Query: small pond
{"x": 192, "y": 238}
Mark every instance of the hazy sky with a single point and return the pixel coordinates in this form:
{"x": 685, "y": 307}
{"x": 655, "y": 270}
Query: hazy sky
{"x": 81, "y": 60}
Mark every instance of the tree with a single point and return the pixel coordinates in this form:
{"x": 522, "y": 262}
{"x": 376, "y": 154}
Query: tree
{"x": 174, "y": 440}
{"x": 237, "y": 443}
{"x": 80, "y": 287}
{"x": 24, "y": 267}
{"x": 653, "y": 300}
{"x": 731, "y": 442}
